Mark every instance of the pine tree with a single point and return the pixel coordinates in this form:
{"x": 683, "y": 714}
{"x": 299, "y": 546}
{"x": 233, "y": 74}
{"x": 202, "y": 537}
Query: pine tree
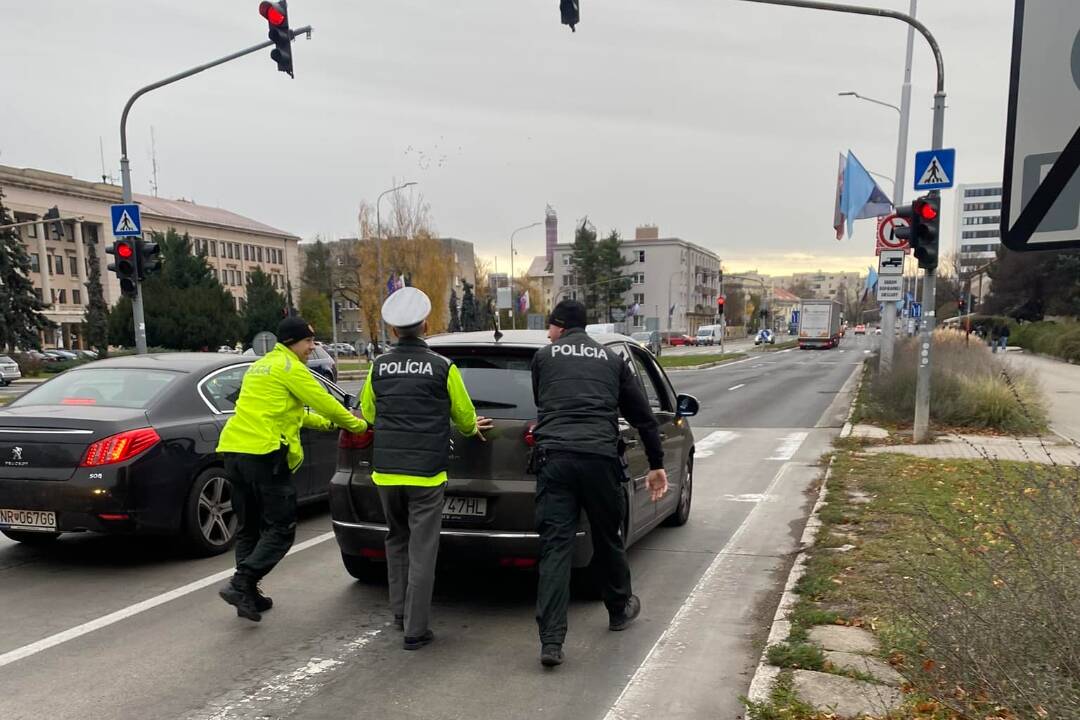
{"x": 455, "y": 319}
{"x": 470, "y": 320}
{"x": 584, "y": 262}
{"x": 613, "y": 284}
{"x": 21, "y": 314}
{"x": 263, "y": 309}
{"x": 96, "y": 319}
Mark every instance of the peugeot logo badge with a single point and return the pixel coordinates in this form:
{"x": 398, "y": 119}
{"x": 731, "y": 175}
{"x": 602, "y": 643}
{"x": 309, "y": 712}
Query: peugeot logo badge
{"x": 16, "y": 453}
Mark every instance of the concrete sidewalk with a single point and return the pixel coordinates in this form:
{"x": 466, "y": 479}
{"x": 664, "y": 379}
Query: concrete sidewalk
{"x": 1060, "y": 383}
{"x": 1045, "y": 451}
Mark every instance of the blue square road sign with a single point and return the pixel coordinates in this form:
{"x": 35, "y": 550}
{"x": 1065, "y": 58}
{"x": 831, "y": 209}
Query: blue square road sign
{"x": 126, "y": 220}
{"x": 935, "y": 169}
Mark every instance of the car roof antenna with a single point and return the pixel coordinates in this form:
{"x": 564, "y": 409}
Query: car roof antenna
{"x": 498, "y": 332}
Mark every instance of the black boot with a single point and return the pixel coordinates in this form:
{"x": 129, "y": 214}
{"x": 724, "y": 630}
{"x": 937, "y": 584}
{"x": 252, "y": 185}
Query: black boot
{"x": 262, "y": 602}
{"x": 620, "y": 620}
{"x": 241, "y": 594}
{"x": 551, "y": 654}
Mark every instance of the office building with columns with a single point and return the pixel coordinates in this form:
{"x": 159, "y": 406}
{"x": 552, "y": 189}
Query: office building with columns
{"x": 234, "y": 245}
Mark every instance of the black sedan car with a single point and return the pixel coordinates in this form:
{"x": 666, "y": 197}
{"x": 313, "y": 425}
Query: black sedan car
{"x": 489, "y": 509}
{"x": 127, "y": 445}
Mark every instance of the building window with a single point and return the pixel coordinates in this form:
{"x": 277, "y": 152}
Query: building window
{"x": 970, "y": 234}
{"x": 63, "y": 296}
{"x": 35, "y": 262}
{"x": 31, "y": 230}
{"x": 260, "y": 251}
{"x": 641, "y": 256}
{"x": 73, "y": 265}
{"x": 76, "y": 297}
{"x": 247, "y": 278}
{"x": 639, "y": 278}
{"x": 52, "y": 293}
{"x": 213, "y": 248}
{"x": 639, "y": 298}
{"x": 59, "y": 264}
{"x": 566, "y": 260}
{"x": 90, "y": 233}
{"x": 639, "y": 321}
{"x": 247, "y": 253}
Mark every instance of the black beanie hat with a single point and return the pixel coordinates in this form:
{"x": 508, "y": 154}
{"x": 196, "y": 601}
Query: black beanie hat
{"x": 293, "y": 330}
{"x": 568, "y": 314}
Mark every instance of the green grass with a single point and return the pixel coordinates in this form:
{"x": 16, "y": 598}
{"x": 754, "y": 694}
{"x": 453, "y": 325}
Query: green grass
{"x": 6, "y": 400}
{"x": 798, "y": 655}
{"x": 673, "y": 361}
{"x": 786, "y": 345}
{"x": 349, "y": 365}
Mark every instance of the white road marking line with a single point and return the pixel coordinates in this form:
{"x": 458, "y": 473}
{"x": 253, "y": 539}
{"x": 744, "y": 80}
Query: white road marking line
{"x": 748, "y": 497}
{"x": 704, "y": 448}
{"x": 789, "y": 445}
{"x": 736, "y": 387}
{"x": 665, "y": 650}
{"x": 291, "y": 687}
{"x": 114, "y": 617}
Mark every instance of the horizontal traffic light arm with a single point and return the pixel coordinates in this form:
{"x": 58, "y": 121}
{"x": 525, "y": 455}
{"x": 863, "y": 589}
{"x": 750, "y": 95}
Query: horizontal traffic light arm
{"x": 306, "y": 30}
{"x": 75, "y": 218}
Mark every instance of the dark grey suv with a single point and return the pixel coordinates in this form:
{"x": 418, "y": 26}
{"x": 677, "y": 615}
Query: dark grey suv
{"x": 488, "y": 514}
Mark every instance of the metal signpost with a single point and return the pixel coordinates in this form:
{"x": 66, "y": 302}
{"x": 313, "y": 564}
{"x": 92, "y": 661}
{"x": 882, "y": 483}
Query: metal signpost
{"x": 1041, "y": 197}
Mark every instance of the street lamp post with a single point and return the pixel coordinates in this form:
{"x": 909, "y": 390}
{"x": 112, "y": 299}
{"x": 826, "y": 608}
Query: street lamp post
{"x": 378, "y": 253}
{"x": 513, "y": 300}
{"x": 670, "y": 311}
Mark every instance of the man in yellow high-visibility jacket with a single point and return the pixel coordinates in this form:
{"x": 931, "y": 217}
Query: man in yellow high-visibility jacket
{"x": 261, "y": 444}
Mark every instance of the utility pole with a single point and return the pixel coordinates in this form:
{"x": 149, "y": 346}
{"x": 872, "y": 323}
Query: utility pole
{"x": 125, "y": 167}
{"x": 922, "y": 390}
{"x": 513, "y": 297}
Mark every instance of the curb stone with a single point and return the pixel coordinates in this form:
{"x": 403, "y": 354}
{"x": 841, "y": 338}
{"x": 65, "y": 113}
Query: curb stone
{"x": 765, "y": 674}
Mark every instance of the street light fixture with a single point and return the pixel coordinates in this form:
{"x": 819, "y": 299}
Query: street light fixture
{"x": 513, "y": 299}
{"x": 378, "y": 252}
{"x": 853, "y": 94}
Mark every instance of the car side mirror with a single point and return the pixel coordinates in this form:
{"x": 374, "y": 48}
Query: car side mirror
{"x": 687, "y": 405}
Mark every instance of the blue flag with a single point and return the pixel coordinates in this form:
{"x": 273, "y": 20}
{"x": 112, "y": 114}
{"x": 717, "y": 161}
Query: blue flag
{"x": 860, "y": 196}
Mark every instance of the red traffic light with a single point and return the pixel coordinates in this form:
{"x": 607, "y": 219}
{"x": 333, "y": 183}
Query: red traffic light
{"x": 272, "y": 12}
{"x": 927, "y": 211}
{"x": 124, "y": 250}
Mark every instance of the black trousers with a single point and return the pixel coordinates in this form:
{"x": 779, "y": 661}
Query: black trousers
{"x": 566, "y": 484}
{"x": 264, "y": 499}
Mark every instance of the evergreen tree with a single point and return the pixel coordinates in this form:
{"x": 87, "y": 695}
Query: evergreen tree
{"x": 613, "y": 283}
{"x": 470, "y": 315}
{"x": 263, "y": 308}
{"x": 318, "y": 269}
{"x": 186, "y": 307}
{"x": 96, "y": 319}
{"x": 585, "y": 263}
{"x": 315, "y": 308}
{"x": 21, "y": 314}
{"x": 455, "y": 319}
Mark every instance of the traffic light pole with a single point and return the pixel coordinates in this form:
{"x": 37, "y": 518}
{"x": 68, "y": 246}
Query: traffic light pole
{"x": 125, "y": 167}
{"x": 922, "y": 391}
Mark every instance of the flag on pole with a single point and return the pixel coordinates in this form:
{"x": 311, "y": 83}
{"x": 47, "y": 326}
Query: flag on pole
{"x": 871, "y": 282}
{"x": 860, "y": 196}
{"x": 523, "y": 302}
{"x": 391, "y": 286}
{"x": 838, "y": 214}
{"x": 635, "y": 310}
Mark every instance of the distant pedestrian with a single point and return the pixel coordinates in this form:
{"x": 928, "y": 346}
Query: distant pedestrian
{"x": 369, "y": 351}
{"x": 1003, "y": 336}
{"x": 262, "y": 449}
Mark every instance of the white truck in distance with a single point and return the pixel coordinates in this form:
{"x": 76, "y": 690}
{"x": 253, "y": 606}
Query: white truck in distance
{"x": 819, "y": 324}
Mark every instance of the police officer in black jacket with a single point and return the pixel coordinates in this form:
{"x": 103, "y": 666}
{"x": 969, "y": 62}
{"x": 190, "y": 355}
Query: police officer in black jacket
{"x": 580, "y": 388}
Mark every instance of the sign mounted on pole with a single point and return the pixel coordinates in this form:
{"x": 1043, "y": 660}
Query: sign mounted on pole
{"x": 126, "y": 221}
{"x": 935, "y": 169}
{"x": 890, "y": 288}
{"x": 1041, "y": 193}
{"x": 916, "y": 310}
{"x": 891, "y": 262}
{"x": 886, "y": 234}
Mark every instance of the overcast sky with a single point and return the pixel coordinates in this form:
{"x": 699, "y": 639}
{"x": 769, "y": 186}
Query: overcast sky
{"x": 717, "y": 120}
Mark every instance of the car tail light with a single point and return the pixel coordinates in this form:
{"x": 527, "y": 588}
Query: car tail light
{"x": 120, "y": 447}
{"x": 356, "y": 441}
{"x": 114, "y": 517}
{"x": 530, "y": 439}
{"x": 518, "y": 562}
{"x": 373, "y": 553}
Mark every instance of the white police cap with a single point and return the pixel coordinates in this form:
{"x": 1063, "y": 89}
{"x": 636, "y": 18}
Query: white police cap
{"x": 406, "y": 307}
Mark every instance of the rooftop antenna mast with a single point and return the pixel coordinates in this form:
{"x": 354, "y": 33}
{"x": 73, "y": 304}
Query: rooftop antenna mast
{"x": 153, "y": 162}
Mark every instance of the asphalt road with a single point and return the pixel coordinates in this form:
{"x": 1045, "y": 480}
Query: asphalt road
{"x": 98, "y": 627}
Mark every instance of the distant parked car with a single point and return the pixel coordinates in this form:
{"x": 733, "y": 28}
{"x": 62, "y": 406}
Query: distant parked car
{"x": 61, "y": 355}
{"x": 648, "y": 340}
{"x": 860, "y": 329}
{"x": 87, "y": 354}
{"x": 9, "y": 370}
{"x": 323, "y": 363}
{"x": 765, "y": 337}
{"x": 678, "y": 339}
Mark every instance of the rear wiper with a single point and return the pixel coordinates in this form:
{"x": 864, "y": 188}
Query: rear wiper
{"x": 492, "y": 404}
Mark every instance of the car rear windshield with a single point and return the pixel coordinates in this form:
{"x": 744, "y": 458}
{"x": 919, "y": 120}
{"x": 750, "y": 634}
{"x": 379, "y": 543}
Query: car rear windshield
{"x": 107, "y": 387}
{"x": 498, "y": 380}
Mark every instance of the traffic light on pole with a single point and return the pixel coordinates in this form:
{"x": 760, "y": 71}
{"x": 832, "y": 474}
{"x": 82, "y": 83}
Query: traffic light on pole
{"x": 720, "y": 305}
{"x": 927, "y": 213}
{"x": 571, "y": 13}
{"x": 52, "y": 217}
{"x": 149, "y": 257}
{"x": 277, "y": 17}
{"x": 126, "y": 265}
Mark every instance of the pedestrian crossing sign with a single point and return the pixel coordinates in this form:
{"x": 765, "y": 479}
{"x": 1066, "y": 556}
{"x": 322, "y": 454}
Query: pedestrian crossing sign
{"x": 935, "y": 169}
{"x": 126, "y": 221}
